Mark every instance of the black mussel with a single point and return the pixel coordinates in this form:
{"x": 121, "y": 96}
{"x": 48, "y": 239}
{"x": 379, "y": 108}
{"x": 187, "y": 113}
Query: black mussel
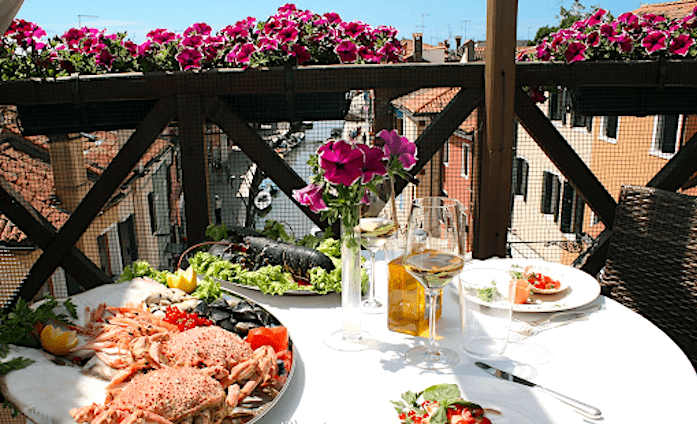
{"x": 228, "y": 325}
{"x": 281, "y": 367}
{"x": 202, "y": 309}
{"x": 245, "y": 312}
{"x": 265, "y": 318}
{"x": 242, "y": 328}
{"x": 219, "y": 303}
{"x": 237, "y": 258}
{"x": 218, "y": 316}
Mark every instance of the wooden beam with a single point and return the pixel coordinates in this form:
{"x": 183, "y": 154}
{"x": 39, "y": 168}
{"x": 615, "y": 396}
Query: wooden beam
{"x": 383, "y": 102}
{"x": 258, "y": 151}
{"x": 565, "y": 158}
{"x": 431, "y": 140}
{"x": 40, "y": 231}
{"x": 124, "y": 161}
{"x": 194, "y": 162}
{"x": 497, "y": 153}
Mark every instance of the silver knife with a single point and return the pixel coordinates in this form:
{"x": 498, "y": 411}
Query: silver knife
{"x": 585, "y": 409}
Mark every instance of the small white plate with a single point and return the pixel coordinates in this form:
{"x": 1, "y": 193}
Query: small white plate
{"x": 581, "y": 289}
{"x": 516, "y": 403}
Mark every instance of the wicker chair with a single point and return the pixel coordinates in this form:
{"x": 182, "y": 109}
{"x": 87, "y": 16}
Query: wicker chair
{"x": 652, "y": 261}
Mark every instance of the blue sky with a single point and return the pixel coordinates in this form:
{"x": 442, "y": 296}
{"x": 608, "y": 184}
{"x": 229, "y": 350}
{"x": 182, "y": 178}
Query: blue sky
{"x": 437, "y": 19}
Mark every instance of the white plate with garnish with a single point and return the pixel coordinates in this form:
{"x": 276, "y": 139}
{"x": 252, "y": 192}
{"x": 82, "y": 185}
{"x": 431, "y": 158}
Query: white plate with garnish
{"x": 578, "y": 288}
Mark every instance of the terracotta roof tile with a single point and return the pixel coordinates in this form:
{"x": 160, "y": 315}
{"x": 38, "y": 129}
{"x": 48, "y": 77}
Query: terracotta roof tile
{"x": 431, "y": 101}
{"x": 671, "y": 10}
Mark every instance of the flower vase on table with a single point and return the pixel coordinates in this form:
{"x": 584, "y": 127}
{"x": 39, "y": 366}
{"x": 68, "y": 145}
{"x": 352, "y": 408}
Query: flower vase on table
{"x": 350, "y": 337}
{"x": 344, "y": 175}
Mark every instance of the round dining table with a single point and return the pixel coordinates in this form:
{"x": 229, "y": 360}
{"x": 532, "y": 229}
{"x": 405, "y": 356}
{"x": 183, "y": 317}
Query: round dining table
{"x": 612, "y": 358}
{"x": 615, "y": 360}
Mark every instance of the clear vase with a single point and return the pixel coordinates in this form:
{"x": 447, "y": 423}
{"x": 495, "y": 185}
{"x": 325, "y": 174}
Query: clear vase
{"x": 350, "y": 337}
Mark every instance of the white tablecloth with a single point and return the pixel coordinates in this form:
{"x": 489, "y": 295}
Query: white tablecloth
{"x": 616, "y": 361}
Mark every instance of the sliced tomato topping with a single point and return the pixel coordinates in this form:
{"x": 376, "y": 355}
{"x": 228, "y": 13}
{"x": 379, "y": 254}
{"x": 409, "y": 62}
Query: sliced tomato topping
{"x": 276, "y": 337}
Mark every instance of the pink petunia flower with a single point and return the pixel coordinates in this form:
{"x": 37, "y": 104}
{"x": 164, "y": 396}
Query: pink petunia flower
{"x": 301, "y": 53}
{"x": 241, "y": 53}
{"x": 596, "y": 17}
{"x": 681, "y": 44}
{"x": 311, "y": 196}
{"x": 354, "y": 29}
{"x": 625, "y": 43}
{"x": 374, "y": 162}
{"x": 574, "y": 52}
{"x": 342, "y": 162}
{"x": 655, "y": 41}
{"x": 593, "y": 38}
{"x": 347, "y": 51}
{"x": 399, "y": 147}
{"x": 189, "y": 58}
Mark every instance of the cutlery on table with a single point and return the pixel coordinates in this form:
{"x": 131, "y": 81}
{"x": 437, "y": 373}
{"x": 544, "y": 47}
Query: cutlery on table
{"x": 530, "y": 328}
{"x": 585, "y": 409}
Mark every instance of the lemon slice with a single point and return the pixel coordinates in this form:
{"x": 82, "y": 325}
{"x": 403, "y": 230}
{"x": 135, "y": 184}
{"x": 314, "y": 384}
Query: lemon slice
{"x": 188, "y": 280}
{"x": 183, "y": 280}
{"x": 57, "y": 341}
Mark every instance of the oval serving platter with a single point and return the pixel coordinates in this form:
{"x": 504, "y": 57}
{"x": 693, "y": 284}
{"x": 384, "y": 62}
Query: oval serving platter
{"x": 69, "y": 387}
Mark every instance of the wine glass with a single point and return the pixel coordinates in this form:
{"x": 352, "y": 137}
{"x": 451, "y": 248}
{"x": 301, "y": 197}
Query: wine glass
{"x": 378, "y": 223}
{"x": 434, "y": 255}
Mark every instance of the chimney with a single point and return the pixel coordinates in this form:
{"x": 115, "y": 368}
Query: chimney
{"x": 418, "y": 47}
{"x": 69, "y": 173}
{"x": 458, "y": 41}
{"x": 468, "y": 54}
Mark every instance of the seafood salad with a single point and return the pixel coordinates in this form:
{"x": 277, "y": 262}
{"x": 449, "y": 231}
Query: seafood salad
{"x": 440, "y": 404}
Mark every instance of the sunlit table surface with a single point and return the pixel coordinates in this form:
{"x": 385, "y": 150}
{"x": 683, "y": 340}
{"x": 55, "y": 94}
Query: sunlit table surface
{"x": 616, "y": 361}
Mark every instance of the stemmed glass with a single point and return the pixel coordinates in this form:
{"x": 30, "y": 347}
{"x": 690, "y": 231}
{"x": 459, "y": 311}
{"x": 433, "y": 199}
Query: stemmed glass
{"x": 377, "y": 225}
{"x": 434, "y": 255}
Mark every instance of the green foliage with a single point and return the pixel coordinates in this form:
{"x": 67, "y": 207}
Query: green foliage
{"x": 18, "y": 327}
{"x": 217, "y": 232}
{"x": 142, "y": 269}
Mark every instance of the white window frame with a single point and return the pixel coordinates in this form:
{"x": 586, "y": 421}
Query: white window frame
{"x": 601, "y": 130}
{"x": 655, "y": 147}
{"x": 465, "y": 160}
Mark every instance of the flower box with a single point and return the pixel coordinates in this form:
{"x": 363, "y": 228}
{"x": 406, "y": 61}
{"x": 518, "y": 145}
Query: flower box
{"x": 633, "y": 101}
{"x": 65, "y": 118}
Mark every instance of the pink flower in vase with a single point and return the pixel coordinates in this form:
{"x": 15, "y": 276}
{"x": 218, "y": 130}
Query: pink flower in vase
{"x": 311, "y": 196}
{"x": 399, "y": 147}
{"x": 374, "y": 162}
{"x": 342, "y": 162}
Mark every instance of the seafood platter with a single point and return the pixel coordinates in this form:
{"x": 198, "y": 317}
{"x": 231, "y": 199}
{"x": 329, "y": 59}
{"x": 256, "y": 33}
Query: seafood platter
{"x": 248, "y": 259}
{"x": 151, "y": 353}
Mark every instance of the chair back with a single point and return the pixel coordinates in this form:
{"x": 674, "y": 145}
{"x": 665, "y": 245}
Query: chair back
{"x": 652, "y": 261}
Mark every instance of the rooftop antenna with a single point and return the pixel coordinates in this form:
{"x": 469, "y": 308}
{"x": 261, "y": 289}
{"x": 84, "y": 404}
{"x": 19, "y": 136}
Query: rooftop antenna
{"x": 79, "y": 19}
{"x": 464, "y": 34}
{"x": 423, "y": 15}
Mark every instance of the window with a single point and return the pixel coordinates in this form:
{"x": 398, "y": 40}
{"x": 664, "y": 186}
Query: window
{"x": 550, "y": 194}
{"x": 666, "y": 135}
{"x": 465, "y": 160}
{"x": 520, "y": 177}
{"x": 571, "y": 210}
{"x": 608, "y": 128}
{"x": 581, "y": 121}
{"x": 554, "y": 112}
{"x": 446, "y": 152}
{"x": 127, "y": 238}
{"x": 153, "y": 212}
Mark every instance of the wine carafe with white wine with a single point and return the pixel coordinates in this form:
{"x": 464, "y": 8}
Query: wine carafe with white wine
{"x": 434, "y": 255}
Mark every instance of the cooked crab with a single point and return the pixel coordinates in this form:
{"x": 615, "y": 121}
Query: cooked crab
{"x": 166, "y": 396}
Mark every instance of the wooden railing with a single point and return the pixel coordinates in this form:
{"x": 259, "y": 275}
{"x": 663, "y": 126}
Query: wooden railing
{"x": 192, "y": 98}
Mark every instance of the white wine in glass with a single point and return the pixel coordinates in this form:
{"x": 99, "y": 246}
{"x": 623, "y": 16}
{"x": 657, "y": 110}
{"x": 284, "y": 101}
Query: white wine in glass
{"x": 376, "y": 226}
{"x": 434, "y": 255}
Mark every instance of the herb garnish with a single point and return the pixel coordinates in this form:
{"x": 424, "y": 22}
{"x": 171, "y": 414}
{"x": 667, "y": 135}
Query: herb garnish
{"x": 444, "y": 394}
{"x": 21, "y": 327}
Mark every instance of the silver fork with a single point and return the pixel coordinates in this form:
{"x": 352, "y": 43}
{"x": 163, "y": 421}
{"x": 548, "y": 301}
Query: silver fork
{"x": 530, "y": 328}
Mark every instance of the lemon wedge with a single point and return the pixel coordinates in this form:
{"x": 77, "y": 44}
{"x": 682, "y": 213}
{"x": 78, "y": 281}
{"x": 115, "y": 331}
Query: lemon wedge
{"x": 57, "y": 341}
{"x": 183, "y": 280}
